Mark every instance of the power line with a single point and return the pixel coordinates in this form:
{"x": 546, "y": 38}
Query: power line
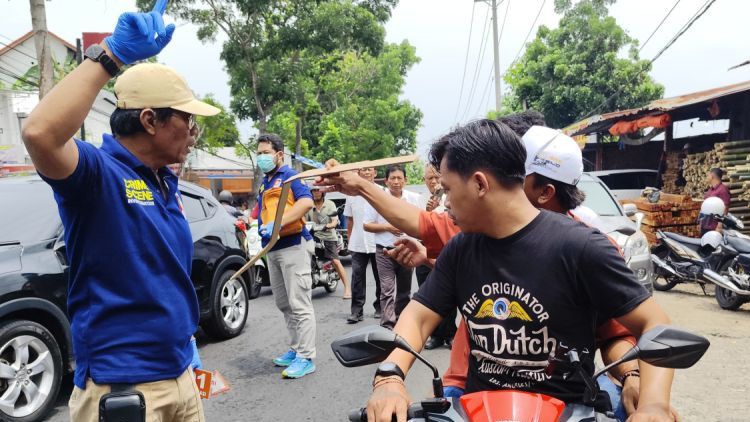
{"x": 466, "y": 62}
{"x": 478, "y": 67}
{"x": 659, "y": 26}
{"x": 528, "y": 34}
{"x": 18, "y": 77}
{"x": 687, "y": 26}
{"x": 14, "y": 48}
{"x": 684, "y": 28}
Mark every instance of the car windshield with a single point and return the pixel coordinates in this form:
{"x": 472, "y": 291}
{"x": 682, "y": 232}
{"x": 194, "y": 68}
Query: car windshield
{"x": 28, "y": 214}
{"x": 598, "y": 199}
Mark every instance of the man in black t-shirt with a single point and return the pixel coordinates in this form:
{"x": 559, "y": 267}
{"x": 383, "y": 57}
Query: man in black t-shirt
{"x": 526, "y": 281}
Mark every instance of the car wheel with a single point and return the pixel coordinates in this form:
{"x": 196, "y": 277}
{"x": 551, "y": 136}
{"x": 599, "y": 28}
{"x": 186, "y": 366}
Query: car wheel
{"x": 229, "y": 307}
{"x": 30, "y": 371}
{"x": 257, "y": 273}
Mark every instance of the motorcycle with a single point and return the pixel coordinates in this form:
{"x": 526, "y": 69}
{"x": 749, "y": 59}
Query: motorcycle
{"x": 725, "y": 263}
{"x": 322, "y": 270}
{"x": 735, "y": 265}
{"x": 259, "y": 276}
{"x": 661, "y": 346}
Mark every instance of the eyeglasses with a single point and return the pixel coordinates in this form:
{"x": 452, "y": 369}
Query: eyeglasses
{"x": 193, "y": 127}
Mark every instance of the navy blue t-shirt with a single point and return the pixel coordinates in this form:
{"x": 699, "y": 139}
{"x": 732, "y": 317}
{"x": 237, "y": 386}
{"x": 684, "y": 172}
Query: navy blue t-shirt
{"x": 131, "y": 302}
{"x": 299, "y": 190}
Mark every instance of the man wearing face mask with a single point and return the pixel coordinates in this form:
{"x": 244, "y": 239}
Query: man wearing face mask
{"x": 288, "y": 260}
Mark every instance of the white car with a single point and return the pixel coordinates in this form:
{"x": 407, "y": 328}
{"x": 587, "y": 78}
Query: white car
{"x": 617, "y": 224}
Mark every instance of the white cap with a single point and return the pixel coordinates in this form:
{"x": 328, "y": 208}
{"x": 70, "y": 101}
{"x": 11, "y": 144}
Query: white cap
{"x": 553, "y": 154}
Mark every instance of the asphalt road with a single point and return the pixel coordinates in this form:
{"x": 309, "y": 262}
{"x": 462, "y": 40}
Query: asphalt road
{"x": 714, "y": 390}
{"x": 259, "y": 393}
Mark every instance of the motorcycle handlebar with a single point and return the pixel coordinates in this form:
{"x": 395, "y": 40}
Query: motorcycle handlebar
{"x": 360, "y": 415}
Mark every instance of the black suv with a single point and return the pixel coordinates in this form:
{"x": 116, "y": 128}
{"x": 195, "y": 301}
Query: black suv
{"x": 35, "y": 339}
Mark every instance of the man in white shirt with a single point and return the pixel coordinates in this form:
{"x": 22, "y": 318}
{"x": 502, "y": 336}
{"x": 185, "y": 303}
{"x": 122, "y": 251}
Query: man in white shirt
{"x": 395, "y": 280}
{"x": 362, "y": 248}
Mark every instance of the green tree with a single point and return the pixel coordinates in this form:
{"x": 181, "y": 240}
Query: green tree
{"x": 415, "y": 173}
{"x": 285, "y": 60}
{"x": 219, "y": 130}
{"x": 578, "y": 68}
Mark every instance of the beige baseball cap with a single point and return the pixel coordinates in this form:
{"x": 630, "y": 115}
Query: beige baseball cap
{"x": 154, "y": 85}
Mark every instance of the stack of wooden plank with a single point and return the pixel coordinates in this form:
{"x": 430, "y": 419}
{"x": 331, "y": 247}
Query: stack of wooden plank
{"x": 734, "y": 159}
{"x": 673, "y": 213}
{"x": 671, "y": 173}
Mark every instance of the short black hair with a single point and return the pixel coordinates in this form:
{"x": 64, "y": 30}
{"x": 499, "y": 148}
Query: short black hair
{"x": 394, "y": 167}
{"x": 569, "y": 196}
{"x": 127, "y": 122}
{"x": 521, "y": 122}
{"x": 482, "y": 145}
{"x": 719, "y": 173}
{"x": 275, "y": 140}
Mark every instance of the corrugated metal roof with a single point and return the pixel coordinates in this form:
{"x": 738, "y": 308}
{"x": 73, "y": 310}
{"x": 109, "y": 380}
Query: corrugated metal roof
{"x": 602, "y": 121}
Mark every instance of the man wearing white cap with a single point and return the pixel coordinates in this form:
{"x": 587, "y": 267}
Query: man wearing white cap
{"x": 132, "y": 304}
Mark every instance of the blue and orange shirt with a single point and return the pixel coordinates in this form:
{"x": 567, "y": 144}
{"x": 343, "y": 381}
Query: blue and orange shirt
{"x": 268, "y": 201}
{"x": 131, "y": 301}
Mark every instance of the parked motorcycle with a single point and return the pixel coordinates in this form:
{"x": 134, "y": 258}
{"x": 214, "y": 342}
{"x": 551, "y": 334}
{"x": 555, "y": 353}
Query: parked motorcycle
{"x": 662, "y": 346}
{"x": 259, "y": 276}
{"x": 719, "y": 258}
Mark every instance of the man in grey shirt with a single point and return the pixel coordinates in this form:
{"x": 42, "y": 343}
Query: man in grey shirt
{"x": 324, "y": 217}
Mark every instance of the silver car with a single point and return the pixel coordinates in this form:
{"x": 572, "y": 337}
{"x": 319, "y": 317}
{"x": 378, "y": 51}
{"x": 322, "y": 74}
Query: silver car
{"x": 617, "y": 224}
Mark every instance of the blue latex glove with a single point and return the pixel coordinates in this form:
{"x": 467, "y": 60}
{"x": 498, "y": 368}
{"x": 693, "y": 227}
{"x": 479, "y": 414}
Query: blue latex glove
{"x": 452, "y": 392}
{"x": 266, "y": 230}
{"x": 196, "y": 363}
{"x": 139, "y": 36}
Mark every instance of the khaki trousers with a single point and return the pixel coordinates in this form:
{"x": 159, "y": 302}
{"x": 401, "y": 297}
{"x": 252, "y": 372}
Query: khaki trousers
{"x": 175, "y": 400}
{"x": 291, "y": 284}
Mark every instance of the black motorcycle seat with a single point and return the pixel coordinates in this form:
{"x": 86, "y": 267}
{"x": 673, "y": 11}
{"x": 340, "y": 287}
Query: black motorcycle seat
{"x": 683, "y": 239}
{"x": 739, "y": 244}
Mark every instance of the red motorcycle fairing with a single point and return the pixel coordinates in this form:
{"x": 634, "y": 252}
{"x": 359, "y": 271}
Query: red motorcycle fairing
{"x": 511, "y": 406}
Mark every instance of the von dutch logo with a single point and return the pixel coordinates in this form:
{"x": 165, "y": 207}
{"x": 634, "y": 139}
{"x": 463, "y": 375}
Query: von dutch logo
{"x": 502, "y": 309}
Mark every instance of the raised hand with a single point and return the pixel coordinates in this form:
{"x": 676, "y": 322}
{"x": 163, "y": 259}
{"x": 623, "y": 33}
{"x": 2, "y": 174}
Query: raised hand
{"x": 139, "y": 36}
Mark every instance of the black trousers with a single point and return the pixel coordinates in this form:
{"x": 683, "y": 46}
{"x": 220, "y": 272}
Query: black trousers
{"x": 447, "y": 329}
{"x": 359, "y": 281}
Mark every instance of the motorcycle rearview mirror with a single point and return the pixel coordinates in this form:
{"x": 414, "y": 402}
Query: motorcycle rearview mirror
{"x": 668, "y": 347}
{"x": 364, "y": 346}
{"x": 665, "y": 347}
{"x": 372, "y": 344}
{"x": 630, "y": 209}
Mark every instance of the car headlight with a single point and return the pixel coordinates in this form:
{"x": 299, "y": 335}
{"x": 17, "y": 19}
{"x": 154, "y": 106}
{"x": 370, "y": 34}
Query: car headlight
{"x": 636, "y": 244}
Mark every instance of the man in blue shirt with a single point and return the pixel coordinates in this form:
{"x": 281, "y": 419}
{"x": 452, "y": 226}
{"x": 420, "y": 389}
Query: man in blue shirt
{"x": 288, "y": 260}
{"x": 131, "y": 301}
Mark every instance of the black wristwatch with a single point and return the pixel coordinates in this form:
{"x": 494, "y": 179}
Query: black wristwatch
{"x": 96, "y": 53}
{"x": 389, "y": 369}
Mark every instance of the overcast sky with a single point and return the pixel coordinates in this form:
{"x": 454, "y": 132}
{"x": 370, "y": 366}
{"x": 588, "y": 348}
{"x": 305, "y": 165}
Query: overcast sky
{"x": 439, "y": 29}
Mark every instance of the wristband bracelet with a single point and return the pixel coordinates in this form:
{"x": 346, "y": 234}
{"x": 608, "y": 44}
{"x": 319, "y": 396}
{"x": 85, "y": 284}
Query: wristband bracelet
{"x": 634, "y": 373}
{"x": 386, "y": 380}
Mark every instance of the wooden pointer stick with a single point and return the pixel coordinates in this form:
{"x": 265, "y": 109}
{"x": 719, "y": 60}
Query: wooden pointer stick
{"x": 286, "y": 187}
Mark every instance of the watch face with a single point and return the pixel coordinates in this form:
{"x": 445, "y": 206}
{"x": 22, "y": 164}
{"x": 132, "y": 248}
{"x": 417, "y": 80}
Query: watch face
{"x": 387, "y": 366}
{"x": 94, "y": 52}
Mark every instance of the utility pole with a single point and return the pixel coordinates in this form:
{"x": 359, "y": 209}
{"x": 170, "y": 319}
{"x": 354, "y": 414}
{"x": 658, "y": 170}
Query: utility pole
{"x": 496, "y": 51}
{"x": 41, "y": 43}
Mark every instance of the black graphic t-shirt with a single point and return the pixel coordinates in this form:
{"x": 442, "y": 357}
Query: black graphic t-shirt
{"x": 525, "y": 295}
